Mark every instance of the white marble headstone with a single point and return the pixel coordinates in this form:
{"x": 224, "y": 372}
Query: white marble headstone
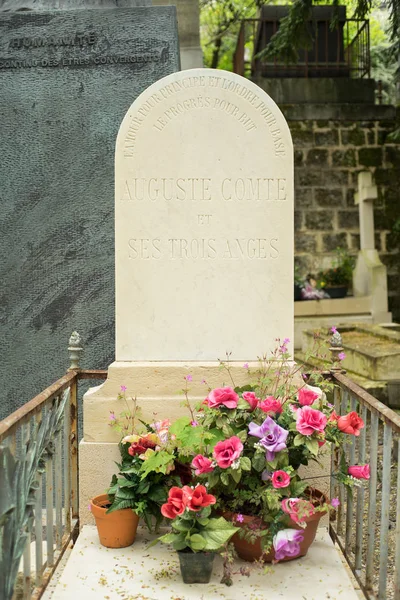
{"x": 203, "y": 221}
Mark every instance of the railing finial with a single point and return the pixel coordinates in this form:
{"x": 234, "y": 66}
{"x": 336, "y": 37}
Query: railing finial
{"x": 75, "y": 350}
{"x": 336, "y": 348}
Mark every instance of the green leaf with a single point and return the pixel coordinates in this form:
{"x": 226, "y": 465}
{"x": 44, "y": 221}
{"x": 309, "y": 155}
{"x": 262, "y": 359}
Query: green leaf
{"x": 168, "y": 538}
{"x": 236, "y": 475}
{"x": 245, "y": 463}
{"x": 181, "y": 525}
{"x": 213, "y": 479}
{"x": 224, "y": 478}
{"x": 158, "y": 462}
{"x": 312, "y": 445}
{"x": 259, "y": 461}
{"x": 197, "y": 542}
{"x": 298, "y": 440}
{"x": 179, "y": 425}
{"x": 203, "y": 521}
{"x": 217, "y": 533}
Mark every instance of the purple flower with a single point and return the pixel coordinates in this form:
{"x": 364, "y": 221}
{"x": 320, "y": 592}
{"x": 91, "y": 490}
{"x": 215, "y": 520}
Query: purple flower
{"x": 273, "y": 437}
{"x": 246, "y": 366}
{"x": 287, "y": 543}
{"x": 266, "y": 475}
{"x": 123, "y": 388}
{"x": 189, "y": 378}
{"x": 239, "y": 518}
{"x": 194, "y": 423}
{"x": 286, "y": 341}
{"x": 341, "y": 356}
{"x": 333, "y": 329}
{"x": 335, "y": 502}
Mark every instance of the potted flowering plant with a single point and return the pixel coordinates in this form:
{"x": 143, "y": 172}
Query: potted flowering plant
{"x": 147, "y": 470}
{"x": 257, "y": 439}
{"x": 196, "y": 535}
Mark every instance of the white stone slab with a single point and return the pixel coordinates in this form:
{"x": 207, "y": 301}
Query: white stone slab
{"x": 137, "y": 573}
{"x": 204, "y": 221}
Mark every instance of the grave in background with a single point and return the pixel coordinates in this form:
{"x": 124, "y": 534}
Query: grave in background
{"x": 67, "y": 78}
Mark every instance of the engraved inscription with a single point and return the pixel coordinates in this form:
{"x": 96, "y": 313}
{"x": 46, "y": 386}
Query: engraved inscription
{"x": 203, "y": 248}
{"x": 200, "y": 189}
{"x": 79, "y": 39}
{"x": 199, "y": 102}
{"x": 203, "y": 219}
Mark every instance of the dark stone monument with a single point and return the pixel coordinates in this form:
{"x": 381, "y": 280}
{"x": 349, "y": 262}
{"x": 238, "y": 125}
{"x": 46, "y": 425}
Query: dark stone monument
{"x": 67, "y": 78}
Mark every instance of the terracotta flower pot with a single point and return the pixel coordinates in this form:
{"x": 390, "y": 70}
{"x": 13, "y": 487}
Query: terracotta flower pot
{"x": 196, "y": 567}
{"x": 116, "y": 529}
{"x": 251, "y": 552}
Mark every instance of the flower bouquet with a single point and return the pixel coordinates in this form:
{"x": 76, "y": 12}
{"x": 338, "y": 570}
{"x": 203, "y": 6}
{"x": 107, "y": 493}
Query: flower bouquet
{"x": 253, "y": 441}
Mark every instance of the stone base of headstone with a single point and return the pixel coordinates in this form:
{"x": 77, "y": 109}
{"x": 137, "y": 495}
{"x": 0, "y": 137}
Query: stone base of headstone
{"x": 158, "y": 387}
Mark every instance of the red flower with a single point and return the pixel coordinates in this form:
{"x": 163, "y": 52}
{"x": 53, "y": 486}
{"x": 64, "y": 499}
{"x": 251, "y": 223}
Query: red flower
{"x": 198, "y": 498}
{"x": 175, "y": 504}
{"x": 250, "y": 397}
{"x": 225, "y": 396}
{"x": 333, "y": 417}
{"x": 351, "y": 424}
{"x": 271, "y": 406}
{"x": 280, "y": 479}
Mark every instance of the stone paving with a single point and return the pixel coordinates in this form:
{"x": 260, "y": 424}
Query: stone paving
{"x": 93, "y": 572}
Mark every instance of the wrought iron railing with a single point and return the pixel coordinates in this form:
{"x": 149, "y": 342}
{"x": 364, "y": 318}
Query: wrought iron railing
{"x": 367, "y": 523}
{"x": 351, "y": 54}
{"x": 39, "y": 511}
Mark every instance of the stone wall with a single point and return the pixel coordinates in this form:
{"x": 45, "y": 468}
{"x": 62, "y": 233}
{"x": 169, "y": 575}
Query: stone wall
{"x": 329, "y": 153}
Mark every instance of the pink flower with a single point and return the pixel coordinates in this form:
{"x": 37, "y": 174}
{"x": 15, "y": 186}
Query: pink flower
{"x": 341, "y": 356}
{"x": 226, "y": 452}
{"x": 298, "y": 510}
{"x": 350, "y": 424}
{"x": 333, "y": 329}
{"x": 194, "y": 423}
{"x": 310, "y": 420}
{"x": 112, "y": 416}
{"x": 250, "y": 397}
{"x": 189, "y": 378}
{"x": 223, "y": 396}
{"x": 286, "y": 341}
{"x": 335, "y": 502}
{"x": 202, "y": 464}
{"x": 359, "y": 471}
{"x": 246, "y": 366}
{"x": 123, "y": 388}
{"x": 287, "y": 543}
{"x": 306, "y": 397}
{"x": 280, "y": 479}
{"x": 239, "y": 518}
{"x": 271, "y": 406}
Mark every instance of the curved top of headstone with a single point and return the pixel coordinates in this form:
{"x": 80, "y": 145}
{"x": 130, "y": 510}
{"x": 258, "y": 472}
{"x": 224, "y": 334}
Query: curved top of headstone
{"x": 203, "y": 221}
{"x": 50, "y": 5}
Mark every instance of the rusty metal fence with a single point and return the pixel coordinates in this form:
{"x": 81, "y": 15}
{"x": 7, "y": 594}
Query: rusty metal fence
{"x": 39, "y": 486}
{"x": 367, "y": 523}
{"x": 350, "y": 56}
